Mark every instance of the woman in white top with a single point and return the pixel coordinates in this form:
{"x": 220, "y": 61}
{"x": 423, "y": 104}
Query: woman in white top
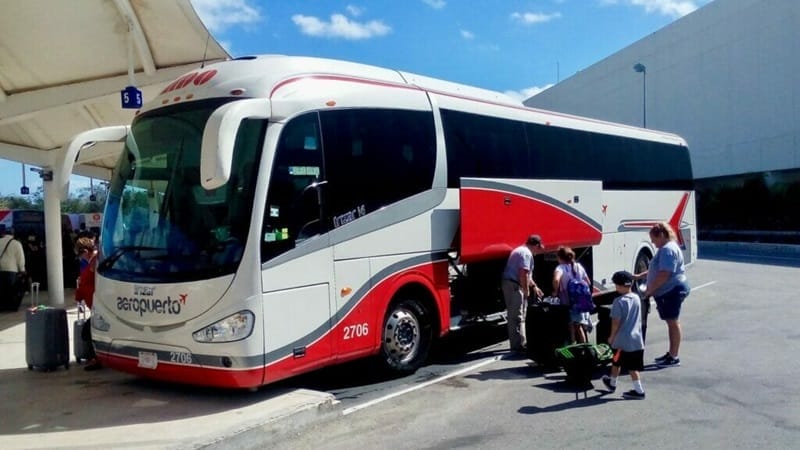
{"x": 12, "y": 262}
{"x": 568, "y": 269}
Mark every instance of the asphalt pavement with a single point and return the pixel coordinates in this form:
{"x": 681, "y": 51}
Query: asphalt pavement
{"x": 73, "y": 408}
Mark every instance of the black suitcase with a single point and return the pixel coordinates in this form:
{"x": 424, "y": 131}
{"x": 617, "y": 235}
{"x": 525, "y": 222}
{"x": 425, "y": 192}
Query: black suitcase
{"x": 82, "y": 348}
{"x": 46, "y": 338}
{"x": 546, "y": 329}
{"x": 603, "y": 328}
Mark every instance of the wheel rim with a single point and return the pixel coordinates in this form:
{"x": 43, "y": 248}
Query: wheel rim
{"x": 401, "y": 335}
{"x": 642, "y": 264}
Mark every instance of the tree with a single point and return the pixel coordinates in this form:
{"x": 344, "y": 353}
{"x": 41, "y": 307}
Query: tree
{"x": 17, "y": 202}
{"x": 78, "y": 201}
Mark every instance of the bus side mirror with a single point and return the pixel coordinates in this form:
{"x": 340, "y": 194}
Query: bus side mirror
{"x": 65, "y": 160}
{"x": 219, "y": 138}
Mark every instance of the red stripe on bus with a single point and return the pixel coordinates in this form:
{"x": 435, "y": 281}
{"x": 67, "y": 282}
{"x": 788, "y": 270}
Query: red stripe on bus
{"x": 399, "y": 85}
{"x": 674, "y": 221}
{"x": 677, "y": 218}
{"x": 177, "y": 373}
{"x": 342, "y": 78}
{"x": 495, "y": 222}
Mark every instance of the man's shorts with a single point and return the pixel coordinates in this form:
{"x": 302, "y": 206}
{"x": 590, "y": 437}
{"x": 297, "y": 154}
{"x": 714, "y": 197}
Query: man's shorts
{"x": 669, "y": 304}
{"x": 628, "y": 360}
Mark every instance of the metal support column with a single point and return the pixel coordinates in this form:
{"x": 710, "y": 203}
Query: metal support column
{"x": 52, "y": 230}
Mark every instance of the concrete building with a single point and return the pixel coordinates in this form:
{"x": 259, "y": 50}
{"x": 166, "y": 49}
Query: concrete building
{"x": 724, "y": 77}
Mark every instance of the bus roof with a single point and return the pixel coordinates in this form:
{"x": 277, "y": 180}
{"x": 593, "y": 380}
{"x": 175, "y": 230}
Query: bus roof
{"x": 278, "y": 77}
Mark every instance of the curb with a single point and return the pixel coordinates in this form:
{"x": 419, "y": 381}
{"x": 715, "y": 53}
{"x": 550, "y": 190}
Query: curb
{"x": 322, "y": 408}
{"x": 760, "y": 248}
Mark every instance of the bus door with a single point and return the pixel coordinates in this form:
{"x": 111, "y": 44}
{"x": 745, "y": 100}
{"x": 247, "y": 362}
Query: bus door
{"x": 297, "y": 261}
{"x": 498, "y": 214}
{"x": 354, "y": 319}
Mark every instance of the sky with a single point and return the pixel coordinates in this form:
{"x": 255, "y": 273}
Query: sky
{"x": 518, "y": 47}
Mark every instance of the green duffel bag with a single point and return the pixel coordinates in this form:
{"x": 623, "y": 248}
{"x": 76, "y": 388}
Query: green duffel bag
{"x": 580, "y": 361}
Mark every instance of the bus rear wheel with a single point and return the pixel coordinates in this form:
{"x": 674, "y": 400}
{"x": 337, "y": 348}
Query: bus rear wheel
{"x": 407, "y": 336}
{"x": 642, "y": 264}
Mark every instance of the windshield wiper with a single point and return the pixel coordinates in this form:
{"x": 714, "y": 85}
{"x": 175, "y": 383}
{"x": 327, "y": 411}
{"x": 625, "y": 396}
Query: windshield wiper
{"x": 113, "y": 257}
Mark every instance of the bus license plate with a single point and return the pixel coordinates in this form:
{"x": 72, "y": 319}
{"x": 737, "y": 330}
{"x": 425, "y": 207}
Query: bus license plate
{"x": 148, "y": 360}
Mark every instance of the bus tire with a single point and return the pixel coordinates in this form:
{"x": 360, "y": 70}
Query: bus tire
{"x": 406, "y": 337}
{"x": 640, "y": 286}
{"x": 642, "y": 263}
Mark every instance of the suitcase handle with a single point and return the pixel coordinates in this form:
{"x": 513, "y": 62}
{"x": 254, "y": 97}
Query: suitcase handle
{"x": 81, "y": 309}
{"x": 34, "y": 293}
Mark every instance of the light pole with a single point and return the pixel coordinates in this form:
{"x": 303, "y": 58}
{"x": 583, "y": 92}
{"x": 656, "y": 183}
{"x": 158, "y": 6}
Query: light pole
{"x": 639, "y": 67}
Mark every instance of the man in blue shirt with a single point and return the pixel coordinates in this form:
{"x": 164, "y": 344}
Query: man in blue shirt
{"x": 517, "y": 284}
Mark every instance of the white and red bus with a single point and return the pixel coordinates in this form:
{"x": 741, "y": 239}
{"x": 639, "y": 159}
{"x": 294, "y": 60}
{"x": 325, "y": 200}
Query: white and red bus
{"x": 273, "y": 215}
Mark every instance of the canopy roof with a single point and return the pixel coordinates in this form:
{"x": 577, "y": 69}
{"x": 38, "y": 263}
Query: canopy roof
{"x": 64, "y": 63}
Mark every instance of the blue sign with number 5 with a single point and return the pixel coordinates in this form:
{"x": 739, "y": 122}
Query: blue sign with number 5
{"x": 131, "y": 97}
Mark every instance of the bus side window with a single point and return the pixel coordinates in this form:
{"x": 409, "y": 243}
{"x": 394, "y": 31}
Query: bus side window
{"x": 375, "y": 157}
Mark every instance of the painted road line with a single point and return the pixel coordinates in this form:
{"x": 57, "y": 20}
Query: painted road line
{"x": 702, "y": 286}
{"x": 421, "y": 385}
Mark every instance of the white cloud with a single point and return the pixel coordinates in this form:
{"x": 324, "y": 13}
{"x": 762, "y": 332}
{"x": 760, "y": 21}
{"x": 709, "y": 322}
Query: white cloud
{"x": 340, "y": 27}
{"x": 468, "y": 35}
{"x": 435, "y": 4}
{"x": 674, "y": 8}
{"x": 354, "y": 11}
{"x": 526, "y": 93}
{"x": 220, "y": 14}
{"x": 529, "y": 18}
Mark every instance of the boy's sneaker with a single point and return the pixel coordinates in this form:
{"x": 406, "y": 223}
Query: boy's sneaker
{"x": 662, "y": 357}
{"x": 669, "y": 362}
{"x": 607, "y": 382}
{"x": 633, "y": 395}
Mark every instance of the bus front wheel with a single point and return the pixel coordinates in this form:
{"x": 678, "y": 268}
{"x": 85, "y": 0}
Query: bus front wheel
{"x": 407, "y": 336}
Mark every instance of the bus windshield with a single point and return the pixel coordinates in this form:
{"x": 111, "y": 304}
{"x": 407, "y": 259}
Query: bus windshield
{"x": 160, "y": 224}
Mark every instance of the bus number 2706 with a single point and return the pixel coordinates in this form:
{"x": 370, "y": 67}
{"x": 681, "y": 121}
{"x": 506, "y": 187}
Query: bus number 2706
{"x": 180, "y": 357}
{"x": 356, "y": 331}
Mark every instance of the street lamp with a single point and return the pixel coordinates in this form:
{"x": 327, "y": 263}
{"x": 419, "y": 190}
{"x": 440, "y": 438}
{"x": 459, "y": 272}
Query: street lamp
{"x": 639, "y": 67}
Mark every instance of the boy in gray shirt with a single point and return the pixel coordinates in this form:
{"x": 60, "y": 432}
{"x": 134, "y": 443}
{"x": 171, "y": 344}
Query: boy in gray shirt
{"x": 626, "y": 337}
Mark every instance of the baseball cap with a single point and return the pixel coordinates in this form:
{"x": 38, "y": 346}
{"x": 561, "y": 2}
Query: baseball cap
{"x": 622, "y": 278}
{"x": 534, "y": 239}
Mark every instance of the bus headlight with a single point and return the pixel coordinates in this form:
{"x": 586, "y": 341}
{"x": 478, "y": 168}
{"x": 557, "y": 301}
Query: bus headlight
{"x": 99, "y": 323}
{"x": 232, "y": 328}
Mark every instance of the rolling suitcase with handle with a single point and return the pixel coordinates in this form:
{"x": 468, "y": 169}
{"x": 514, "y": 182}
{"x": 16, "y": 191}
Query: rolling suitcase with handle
{"x": 46, "y": 338}
{"x": 82, "y": 348}
{"x": 35, "y": 293}
{"x": 546, "y": 329}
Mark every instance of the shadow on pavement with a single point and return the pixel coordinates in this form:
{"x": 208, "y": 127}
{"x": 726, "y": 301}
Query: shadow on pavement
{"x": 595, "y": 400}
{"x": 458, "y": 347}
{"x": 64, "y": 400}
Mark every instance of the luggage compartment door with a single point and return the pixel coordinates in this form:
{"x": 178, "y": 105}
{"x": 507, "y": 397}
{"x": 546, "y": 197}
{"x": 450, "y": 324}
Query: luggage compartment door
{"x": 497, "y": 215}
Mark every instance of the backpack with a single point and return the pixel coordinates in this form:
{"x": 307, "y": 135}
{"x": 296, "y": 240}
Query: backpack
{"x": 580, "y": 296}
